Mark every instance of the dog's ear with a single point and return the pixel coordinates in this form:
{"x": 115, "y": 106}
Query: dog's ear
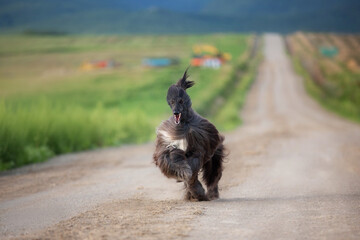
{"x": 184, "y": 83}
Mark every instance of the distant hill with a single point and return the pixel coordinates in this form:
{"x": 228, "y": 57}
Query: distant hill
{"x": 291, "y": 15}
{"x": 181, "y": 16}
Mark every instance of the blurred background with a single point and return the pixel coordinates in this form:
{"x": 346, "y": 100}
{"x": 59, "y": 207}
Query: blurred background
{"x": 84, "y": 74}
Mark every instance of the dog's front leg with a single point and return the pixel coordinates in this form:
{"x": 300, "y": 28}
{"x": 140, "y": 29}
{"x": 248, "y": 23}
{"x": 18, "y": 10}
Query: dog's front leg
{"x": 195, "y": 190}
{"x": 194, "y": 163}
{"x": 173, "y": 164}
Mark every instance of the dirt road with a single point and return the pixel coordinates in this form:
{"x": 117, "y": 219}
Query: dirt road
{"x": 293, "y": 173}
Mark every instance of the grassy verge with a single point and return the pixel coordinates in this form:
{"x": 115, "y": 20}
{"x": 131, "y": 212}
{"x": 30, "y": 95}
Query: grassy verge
{"x": 332, "y": 80}
{"x": 341, "y": 105}
{"x": 228, "y": 114}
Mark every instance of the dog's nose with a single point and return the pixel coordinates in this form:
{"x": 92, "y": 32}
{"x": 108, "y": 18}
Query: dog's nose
{"x": 176, "y": 113}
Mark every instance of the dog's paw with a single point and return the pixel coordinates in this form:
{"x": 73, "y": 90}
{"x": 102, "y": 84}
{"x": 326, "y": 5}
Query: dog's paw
{"x": 185, "y": 173}
{"x": 189, "y": 197}
{"x": 202, "y": 198}
{"x": 212, "y": 195}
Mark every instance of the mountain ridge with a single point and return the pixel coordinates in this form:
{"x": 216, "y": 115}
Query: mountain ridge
{"x": 161, "y": 16}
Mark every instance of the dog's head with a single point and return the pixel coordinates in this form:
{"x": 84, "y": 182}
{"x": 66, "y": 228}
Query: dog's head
{"x": 178, "y": 100}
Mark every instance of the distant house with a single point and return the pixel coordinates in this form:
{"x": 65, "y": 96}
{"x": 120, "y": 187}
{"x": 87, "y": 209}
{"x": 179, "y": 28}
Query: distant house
{"x": 212, "y": 63}
{"x": 208, "y": 56}
{"x": 329, "y": 51}
{"x": 206, "y": 62}
{"x": 159, "y": 62}
{"x": 103, "y": 64}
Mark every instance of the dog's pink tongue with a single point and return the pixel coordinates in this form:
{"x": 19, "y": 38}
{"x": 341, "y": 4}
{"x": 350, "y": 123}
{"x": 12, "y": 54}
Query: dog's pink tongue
{"x": 177, "y": 118}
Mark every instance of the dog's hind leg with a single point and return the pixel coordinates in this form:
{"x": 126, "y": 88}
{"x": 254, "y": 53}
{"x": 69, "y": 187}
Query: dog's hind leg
{"x": 213, "y": 172}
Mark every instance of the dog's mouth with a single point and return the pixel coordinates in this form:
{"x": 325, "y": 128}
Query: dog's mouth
{"x": 177, "y": 117}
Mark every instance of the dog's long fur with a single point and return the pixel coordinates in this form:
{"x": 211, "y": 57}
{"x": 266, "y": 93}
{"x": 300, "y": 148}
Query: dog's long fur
{"x": 189, "y": 144}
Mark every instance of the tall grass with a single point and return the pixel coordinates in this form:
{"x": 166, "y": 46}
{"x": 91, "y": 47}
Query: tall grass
{"x": 39, "y": 131}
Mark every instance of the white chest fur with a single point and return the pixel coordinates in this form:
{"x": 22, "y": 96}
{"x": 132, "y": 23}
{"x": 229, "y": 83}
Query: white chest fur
{"x": 175, "y": 143}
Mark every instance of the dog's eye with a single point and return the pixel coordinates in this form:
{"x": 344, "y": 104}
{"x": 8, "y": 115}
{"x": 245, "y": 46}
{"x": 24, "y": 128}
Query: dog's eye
{"x": 181, "y": 101}
{"x": 172, "y": 102}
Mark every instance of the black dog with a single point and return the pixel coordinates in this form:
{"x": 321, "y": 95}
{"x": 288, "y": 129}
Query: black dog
{"x": 187, "y": 143}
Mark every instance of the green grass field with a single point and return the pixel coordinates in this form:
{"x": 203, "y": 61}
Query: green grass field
{"x": 49, "y": 106}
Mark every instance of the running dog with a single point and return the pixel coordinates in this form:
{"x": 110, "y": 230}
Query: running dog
{"x": 187, "y": 143}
